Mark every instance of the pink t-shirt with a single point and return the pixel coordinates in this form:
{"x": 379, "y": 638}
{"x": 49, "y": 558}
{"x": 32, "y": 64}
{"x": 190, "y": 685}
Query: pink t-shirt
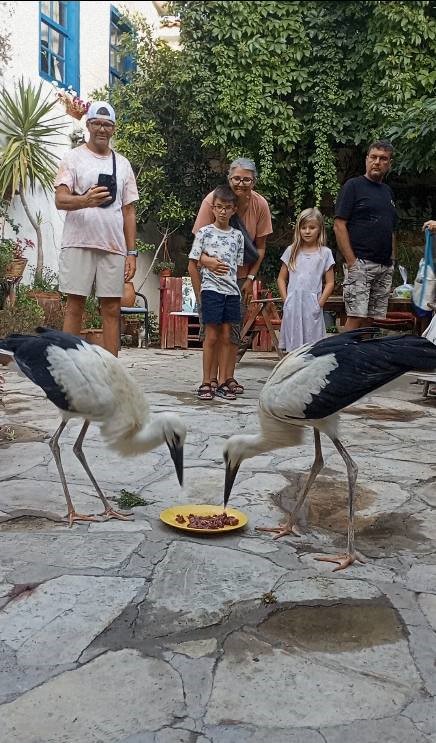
{"x": 95, "y": 227}
{"x": 257, "y": 219}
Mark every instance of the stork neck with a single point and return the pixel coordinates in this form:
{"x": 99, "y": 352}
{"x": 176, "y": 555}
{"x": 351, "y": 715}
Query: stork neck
{"x": 258, "y": 443}
{"x": 147, "y": 438}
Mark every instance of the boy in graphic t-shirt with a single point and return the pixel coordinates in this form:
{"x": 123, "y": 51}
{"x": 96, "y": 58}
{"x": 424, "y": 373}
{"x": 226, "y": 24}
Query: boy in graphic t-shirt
{"x": 220, "y": 294}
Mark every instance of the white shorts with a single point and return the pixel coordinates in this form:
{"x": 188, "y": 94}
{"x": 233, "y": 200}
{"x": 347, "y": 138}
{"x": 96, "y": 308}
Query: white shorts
{"x": 80, "y": 267}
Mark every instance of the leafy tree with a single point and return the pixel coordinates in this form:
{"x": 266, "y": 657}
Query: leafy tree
{"x": 292, "y": 84}
{"x": 27, "y": 158}
{"x": 153, "y": 132}
{"x": 301, "y": 87}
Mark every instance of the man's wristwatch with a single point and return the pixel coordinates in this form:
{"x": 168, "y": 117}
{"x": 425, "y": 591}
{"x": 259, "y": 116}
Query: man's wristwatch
{"x": 133, "y": 253}
{"x": 251, "y": 276}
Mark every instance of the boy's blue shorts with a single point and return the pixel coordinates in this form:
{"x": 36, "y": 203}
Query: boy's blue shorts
{"x": 217, "y": 308}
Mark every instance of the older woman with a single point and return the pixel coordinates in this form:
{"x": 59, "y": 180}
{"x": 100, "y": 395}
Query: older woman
{"x": 255, "y": 213}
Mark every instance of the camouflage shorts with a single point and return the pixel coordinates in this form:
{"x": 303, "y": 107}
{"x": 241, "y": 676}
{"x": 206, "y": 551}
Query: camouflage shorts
{"x": 367, "y": 286}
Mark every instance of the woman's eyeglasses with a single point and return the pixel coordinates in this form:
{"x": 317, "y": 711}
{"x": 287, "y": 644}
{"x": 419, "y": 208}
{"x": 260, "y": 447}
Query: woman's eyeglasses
{"x": 236, "y": 179}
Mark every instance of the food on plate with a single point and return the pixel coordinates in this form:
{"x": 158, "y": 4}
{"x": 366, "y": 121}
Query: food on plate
{"x": 214, "y": 521}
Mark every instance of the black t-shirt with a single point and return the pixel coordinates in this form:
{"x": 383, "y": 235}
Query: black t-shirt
{"x": 369, "y": 209}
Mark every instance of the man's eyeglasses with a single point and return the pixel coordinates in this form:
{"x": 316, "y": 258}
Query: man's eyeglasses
{"x": 106, "y": 125}
{"x": 236, "y": 179}
{"x": 222, "y": 208}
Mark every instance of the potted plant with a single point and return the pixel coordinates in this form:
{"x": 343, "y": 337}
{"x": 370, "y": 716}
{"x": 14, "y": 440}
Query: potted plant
{"x": 26, "y": 157}
{"x": 12, "y": 249}
{"x": 74, "y": 106}
{"x": 92, "y": 322}
{"x": 164, "y": 268}
{"x": 23, "y": 317}
{"x": 12, "y": 258}
{"x": 44, "y": 289}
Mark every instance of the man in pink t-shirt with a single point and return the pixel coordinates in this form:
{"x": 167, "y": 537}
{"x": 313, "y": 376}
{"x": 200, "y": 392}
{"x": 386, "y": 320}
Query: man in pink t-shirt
{"x": 254, "y": 211}
{"x": 97, "y": 189}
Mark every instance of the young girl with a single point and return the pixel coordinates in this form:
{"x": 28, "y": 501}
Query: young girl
{"x": 305, "y": 263}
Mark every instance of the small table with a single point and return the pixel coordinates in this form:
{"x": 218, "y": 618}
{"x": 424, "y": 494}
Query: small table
{"x": 270, "y": 317}
{"x": 335, "y": 303}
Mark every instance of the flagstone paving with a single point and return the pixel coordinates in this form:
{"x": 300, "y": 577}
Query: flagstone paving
{"x": 133, "y": 632}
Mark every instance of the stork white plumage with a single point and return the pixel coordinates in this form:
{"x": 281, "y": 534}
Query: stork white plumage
{"x": 309, "y": 387}
{"x": 88, "y": 382}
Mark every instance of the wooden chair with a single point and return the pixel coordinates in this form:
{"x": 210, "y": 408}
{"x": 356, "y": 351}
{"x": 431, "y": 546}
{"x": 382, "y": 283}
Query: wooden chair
{"x": 260, "y": 323}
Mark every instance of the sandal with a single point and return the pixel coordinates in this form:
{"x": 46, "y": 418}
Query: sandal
{"x": 234, "y": 386}
{"x": 205, "y": 392}
{"x": 225, "y": 392}
{"x": 214, "y": 384}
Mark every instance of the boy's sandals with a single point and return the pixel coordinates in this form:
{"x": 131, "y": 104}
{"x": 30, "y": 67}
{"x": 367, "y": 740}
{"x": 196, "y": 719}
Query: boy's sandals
{"x": 224, "y": 391}
{"x": 205, "y": 392}
{"x": 234, "y": 386}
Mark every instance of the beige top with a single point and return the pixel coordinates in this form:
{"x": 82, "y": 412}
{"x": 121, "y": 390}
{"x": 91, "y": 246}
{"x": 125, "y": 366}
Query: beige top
{"x": 95, "y": 227}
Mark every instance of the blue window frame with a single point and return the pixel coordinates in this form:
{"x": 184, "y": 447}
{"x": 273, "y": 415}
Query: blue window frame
{"x": 59, "y": 42}
{"x": 119, "y": 64}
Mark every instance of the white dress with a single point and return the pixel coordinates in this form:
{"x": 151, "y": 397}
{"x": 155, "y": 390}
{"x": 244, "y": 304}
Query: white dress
{"x": 303, "y": 320}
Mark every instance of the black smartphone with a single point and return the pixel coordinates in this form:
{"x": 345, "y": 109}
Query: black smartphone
{"x": 105, "y": 179}
{"x": 108, "y": 181}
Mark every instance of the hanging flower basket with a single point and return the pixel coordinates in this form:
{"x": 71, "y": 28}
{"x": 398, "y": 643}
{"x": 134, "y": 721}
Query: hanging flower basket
{"x": 16, "y": 268}
{"x": 75, "y": 113}
{"x": 74, "y": 106}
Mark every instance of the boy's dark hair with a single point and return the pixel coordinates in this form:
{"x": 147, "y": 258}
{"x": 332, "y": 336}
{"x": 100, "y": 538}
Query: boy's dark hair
{"x": 224, "y": 193}
{"x": 381, "y": 144}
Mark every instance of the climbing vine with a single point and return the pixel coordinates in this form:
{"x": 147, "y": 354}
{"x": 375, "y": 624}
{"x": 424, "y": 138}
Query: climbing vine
{"x": 301, "y": 87}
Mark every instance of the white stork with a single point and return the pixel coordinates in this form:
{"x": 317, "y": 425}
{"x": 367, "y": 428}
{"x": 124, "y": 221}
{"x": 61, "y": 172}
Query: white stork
{"x": 309, "y": 387}
{"x": 86, "y": 381}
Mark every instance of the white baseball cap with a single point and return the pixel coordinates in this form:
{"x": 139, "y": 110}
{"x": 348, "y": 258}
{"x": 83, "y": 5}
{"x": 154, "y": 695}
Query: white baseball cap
{"x": 100, "y": 110}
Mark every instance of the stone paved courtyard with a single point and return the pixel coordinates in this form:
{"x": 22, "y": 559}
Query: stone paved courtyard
{"x": 138, "y": 633}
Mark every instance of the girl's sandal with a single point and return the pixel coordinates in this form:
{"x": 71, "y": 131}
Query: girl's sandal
{"x": 205, "y": 392}
{"x": 225, "y": 392}
{"x": 234, "y": 386}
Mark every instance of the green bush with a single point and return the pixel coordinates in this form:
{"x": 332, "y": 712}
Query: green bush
{"x": 22, "y": 317}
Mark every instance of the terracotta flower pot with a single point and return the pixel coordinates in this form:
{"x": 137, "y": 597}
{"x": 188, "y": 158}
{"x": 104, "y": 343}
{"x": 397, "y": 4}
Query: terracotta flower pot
{"x": 15, "y": 268}
{"x": 95, "y": 336}
{"x": 129, "y": 296}
{"x": 49, "y": 301}
{"x": 166, "y": 272}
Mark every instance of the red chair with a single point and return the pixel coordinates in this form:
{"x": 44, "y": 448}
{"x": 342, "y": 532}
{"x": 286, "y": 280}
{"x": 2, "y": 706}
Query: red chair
{"x": 397, "y": 321}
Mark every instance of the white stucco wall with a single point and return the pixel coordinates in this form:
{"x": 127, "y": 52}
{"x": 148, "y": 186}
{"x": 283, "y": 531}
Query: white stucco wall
{"x": 21, "y": 20}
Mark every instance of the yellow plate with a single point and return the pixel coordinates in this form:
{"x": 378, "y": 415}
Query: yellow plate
{"x": 169, "y": 517}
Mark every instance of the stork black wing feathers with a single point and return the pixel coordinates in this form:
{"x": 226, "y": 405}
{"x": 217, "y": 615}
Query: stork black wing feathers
{"x": 364, "y": 365}
{"x": 30, "y": 353}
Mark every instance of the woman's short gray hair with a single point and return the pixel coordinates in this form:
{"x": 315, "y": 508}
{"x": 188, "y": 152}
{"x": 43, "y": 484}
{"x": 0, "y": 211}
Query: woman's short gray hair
{"x": 245, "y": 164}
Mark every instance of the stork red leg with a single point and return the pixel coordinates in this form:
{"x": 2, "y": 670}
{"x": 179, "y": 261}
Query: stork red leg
{"x": 109, "y": 512}
{"x": 289, "y": 526}
{"x": 350, "y": 556}
{"x": 72, "y": 513}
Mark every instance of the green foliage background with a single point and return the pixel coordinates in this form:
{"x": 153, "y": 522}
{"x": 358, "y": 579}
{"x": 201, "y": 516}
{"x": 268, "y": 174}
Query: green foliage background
{"x": 301, "y": 87}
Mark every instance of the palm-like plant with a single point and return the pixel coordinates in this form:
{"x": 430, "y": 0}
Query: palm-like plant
{"x": 26, "y": 157}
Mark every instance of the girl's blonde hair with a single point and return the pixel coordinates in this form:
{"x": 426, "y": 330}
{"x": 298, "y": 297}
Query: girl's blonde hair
{"x": 305, "y": 216}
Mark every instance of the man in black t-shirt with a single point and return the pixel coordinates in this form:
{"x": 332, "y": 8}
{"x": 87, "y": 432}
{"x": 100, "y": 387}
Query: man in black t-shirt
{"x": 365, "y": 223}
